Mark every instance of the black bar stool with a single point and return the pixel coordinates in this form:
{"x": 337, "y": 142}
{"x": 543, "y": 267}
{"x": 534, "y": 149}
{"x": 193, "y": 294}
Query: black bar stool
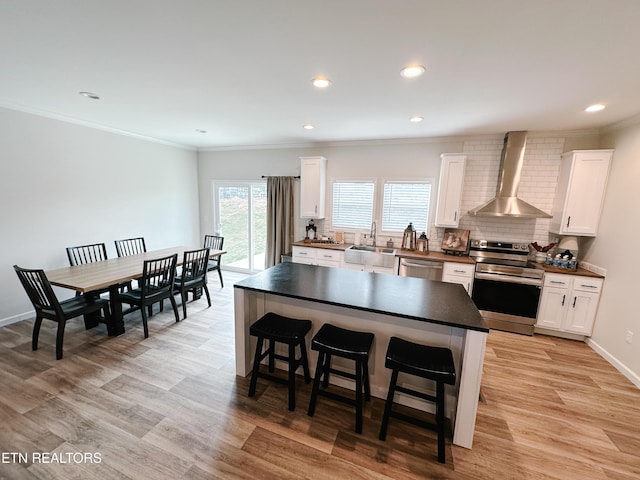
{"x": 331, "y": 340}
{"x": 433, "y": 363}
{"x": 290, "y": 331}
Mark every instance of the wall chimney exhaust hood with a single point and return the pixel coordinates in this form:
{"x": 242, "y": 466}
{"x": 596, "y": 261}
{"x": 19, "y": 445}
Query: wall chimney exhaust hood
{"x": 506, "y": 203}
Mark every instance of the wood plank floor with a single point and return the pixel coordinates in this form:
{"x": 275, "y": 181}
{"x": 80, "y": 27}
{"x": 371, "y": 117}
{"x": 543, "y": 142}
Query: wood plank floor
{"x": 171, "y": 407}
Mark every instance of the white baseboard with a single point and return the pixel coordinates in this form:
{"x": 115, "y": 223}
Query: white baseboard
{"x": 17, "y": 318}
{"x": 622, "y": 368}
{"x": 558, "y": 333}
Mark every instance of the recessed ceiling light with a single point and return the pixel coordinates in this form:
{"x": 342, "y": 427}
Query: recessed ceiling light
{"x": 321, "y": 82}
{"x": 308, "y": 126}
{"x": 596, "y": 107}
{"x": 411, "y": 71}
{"x": 199, "y": 130}
{"x": 416, "y": 119}
{"x": 90, "y": 95}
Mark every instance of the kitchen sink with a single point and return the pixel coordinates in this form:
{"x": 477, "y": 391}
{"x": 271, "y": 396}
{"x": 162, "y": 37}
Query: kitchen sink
{"x": 364, "y": 248}
{"x": 367, "y": 255}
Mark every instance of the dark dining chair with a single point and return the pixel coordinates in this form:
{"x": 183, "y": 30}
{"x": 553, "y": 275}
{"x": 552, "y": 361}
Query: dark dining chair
{"x": 214, "y": 242}
{"x": 193, "y": 276}
{"x": 130, "y": 246}
{"x": 82, "y": 254}
{"x": 155, "y": 285}
{"x": 47, "y": 305}
{"x": 96, "y": 252}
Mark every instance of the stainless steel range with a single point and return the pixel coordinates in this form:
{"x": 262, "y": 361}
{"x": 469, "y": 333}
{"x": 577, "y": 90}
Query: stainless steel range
{"x": 506, "y": 287}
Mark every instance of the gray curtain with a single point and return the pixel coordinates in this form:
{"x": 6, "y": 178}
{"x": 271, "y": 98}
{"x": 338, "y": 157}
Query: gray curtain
{"x": 279, "y": 218}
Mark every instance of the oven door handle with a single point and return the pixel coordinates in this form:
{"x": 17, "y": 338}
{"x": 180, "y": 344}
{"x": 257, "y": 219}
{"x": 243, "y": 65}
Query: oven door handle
{"x": 508, "y": 279}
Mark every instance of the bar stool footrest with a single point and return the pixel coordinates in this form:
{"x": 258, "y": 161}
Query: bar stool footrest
{"x": 342, "y": 373}
{"x": 416, "y": 393}
{"x": 338, "y": 397}
{"x": 413, "y": 420}
{"x": 273, "y": 378}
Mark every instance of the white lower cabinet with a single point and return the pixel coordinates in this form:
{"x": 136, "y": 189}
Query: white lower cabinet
{"x": 326, "y": 257}
{"x": 304, "y": 255}
{"x": 461, "y": 273}
{"x": 369, "y": 268}
{"x": 385, "y": 270}
{"x": 317, "y": 256}
{"x": 569, "y": 303}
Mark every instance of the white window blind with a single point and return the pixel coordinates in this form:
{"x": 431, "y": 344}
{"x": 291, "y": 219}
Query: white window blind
{"x": 405, "y": 202}
{"x": 352, "y": 204}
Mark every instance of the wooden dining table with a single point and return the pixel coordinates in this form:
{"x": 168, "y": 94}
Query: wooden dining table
{"x": 111, "y": 274}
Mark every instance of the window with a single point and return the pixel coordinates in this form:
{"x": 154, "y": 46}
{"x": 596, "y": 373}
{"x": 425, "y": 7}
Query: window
{"x": 352, "y": 205}
{"x": 405, "y": 202}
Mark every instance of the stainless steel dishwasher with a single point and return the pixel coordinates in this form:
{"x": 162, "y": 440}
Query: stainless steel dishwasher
{"x": 427, "y": 269}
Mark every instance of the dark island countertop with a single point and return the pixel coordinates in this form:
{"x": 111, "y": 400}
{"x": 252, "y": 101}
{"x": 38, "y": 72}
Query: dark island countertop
{"x": 407, "y": 297}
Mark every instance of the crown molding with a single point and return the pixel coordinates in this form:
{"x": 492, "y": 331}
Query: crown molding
{"x": 84, "y": 123}
{"x": 621, "y": 125}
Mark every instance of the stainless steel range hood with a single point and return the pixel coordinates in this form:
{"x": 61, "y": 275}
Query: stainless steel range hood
{"x": 506, "y": 203}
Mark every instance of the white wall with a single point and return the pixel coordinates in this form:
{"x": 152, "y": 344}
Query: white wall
{"x": 64, "y": 184}
{"x": 614, "y": 249}
{"x": 379, "y": 160}
{"x": 410, "y": 159}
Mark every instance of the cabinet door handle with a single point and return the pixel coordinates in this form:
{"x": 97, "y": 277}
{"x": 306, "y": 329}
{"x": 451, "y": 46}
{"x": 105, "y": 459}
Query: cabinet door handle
{"x": 574, "y": 301}
{"x": 316, "y": 211}
{"x": 556, "y": 282}
{"x": 588, "y": 286}
{"x": 459, "y": 271}
{"x": 568, "y": 220}
{"x": 455, "y": 215}
{"x": 563, "y": 298}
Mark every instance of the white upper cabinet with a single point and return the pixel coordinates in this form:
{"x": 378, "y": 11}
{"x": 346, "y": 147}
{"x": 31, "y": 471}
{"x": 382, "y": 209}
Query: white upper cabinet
{"x": 582, "y": 182}
{"x": 313, "y": 184}
{"x": 450, "y": 189}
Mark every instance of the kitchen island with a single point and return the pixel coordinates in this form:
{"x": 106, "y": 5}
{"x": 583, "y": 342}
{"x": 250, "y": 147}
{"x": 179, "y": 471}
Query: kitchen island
{"x": 423, "y": 311}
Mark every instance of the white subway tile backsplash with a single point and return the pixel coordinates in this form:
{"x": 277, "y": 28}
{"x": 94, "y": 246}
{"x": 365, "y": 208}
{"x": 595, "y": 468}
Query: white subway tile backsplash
{"x": 537, "y": 186}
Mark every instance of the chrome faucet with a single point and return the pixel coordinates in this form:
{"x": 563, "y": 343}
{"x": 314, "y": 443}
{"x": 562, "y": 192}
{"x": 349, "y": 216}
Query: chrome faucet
{"x": 373, "y": 234}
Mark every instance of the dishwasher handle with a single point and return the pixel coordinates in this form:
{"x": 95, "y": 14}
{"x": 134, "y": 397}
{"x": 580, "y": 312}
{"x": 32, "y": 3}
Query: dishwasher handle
{"x": 421, "y": 264}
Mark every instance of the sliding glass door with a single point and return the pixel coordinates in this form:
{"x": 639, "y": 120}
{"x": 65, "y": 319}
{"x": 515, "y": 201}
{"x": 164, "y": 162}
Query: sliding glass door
{"x": 240, "y": 210}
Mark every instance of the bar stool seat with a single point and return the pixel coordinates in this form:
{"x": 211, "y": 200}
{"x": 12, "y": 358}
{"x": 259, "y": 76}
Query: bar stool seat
{"x": 329, "y": 341}
{"x": 290, "y": 331}
{"x": 433, "y": 363}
